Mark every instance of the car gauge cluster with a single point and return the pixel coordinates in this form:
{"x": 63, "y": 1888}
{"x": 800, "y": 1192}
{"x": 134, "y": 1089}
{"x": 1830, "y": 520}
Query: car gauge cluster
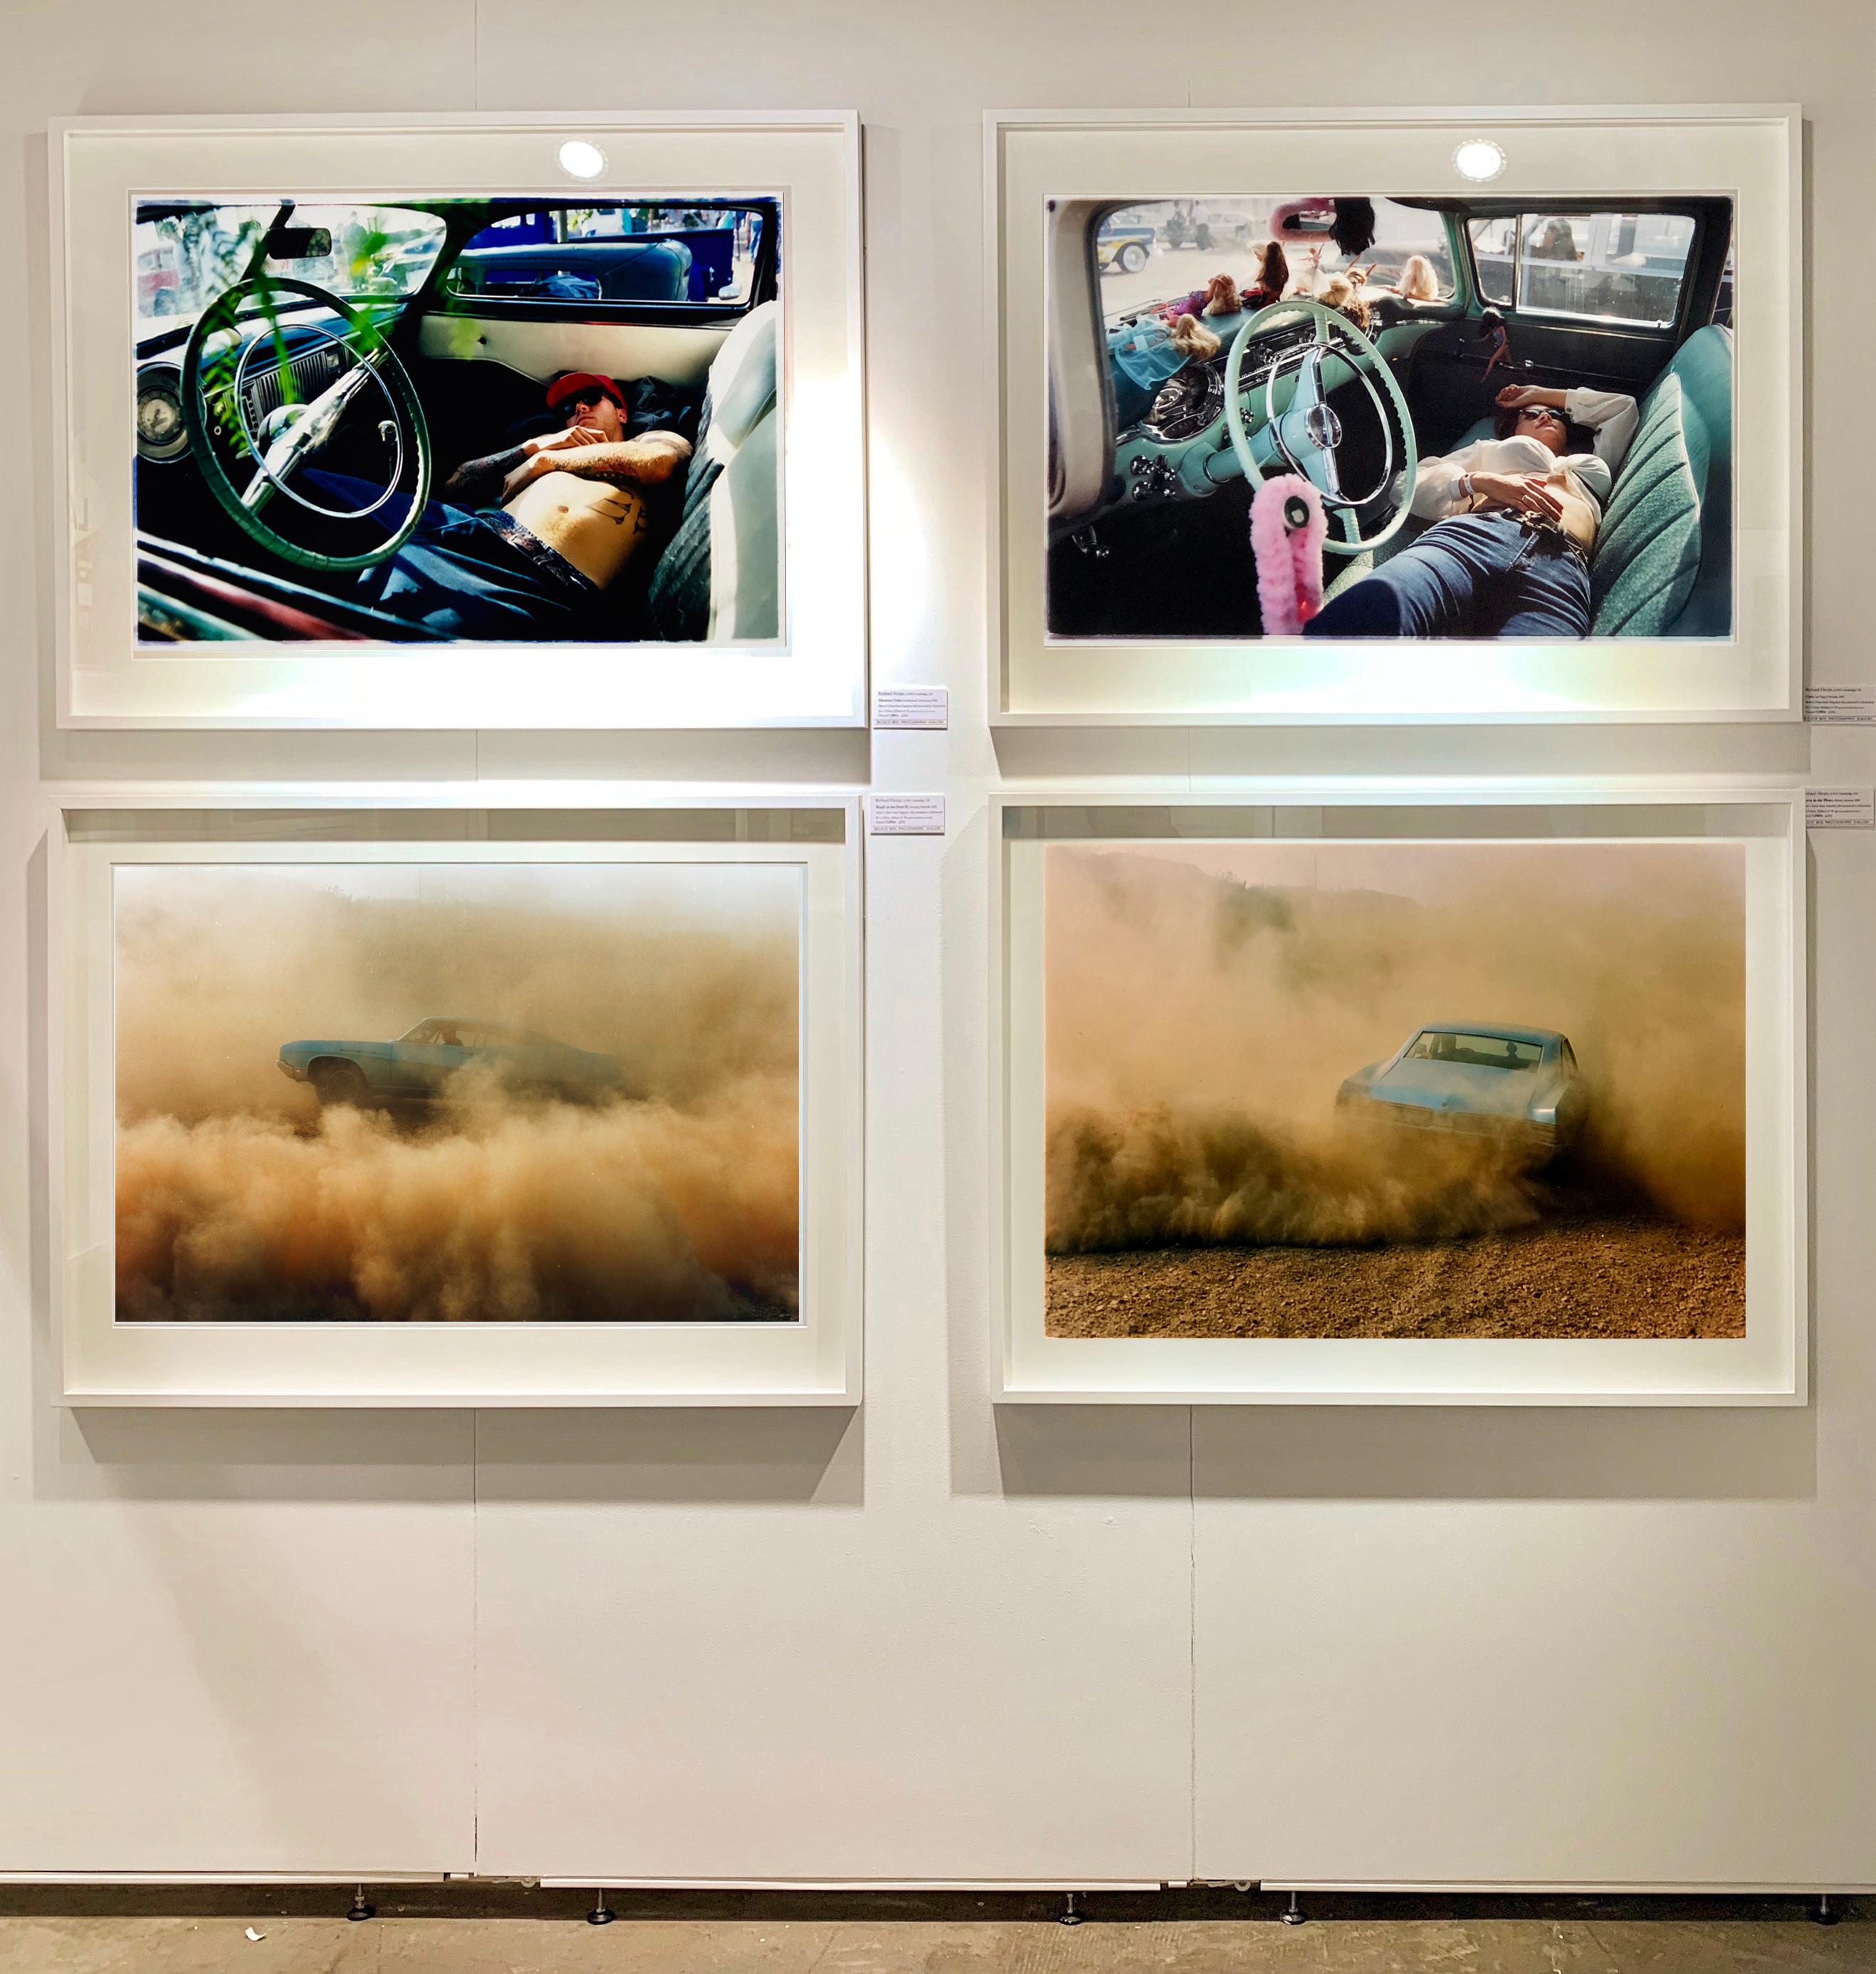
{"x": 162, "y": 435}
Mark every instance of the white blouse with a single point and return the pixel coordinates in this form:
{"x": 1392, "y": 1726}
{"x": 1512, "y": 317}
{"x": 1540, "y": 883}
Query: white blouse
{"x": 1609, "y": 415}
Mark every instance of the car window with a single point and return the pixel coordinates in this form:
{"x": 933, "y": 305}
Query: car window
{"x": 1591, "y": 267}
{"x": 356, "y": 250}
{"x": 1494, "y": 252}
{"x": 184, "y": 259}
{"x": 434, "y": 1034}
{"x": 1476, "y": 1051}
{"x": 1165, "y": 250}
{"x": 696, "y": 256}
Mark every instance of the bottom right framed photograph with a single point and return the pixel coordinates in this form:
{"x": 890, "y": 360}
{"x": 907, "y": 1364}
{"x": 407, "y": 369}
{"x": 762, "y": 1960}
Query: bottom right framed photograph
{"x": 1320, "y": 1096}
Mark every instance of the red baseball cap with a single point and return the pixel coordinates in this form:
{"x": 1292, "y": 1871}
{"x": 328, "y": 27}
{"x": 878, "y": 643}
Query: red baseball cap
{"x": 563, "y": 388}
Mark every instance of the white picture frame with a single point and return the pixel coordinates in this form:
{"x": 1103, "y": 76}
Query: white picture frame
{"x": 814, "y": 674}
{"x": 1752, "y": 153}
{"x": 813, "y": 1360}
{"x": 1767, "y": 1366}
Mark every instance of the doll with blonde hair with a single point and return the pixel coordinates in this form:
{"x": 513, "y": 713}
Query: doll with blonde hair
{"x": 1416, "y": 281}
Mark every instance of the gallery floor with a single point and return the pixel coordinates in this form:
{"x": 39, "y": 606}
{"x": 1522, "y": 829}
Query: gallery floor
{"x": 516, "y": 1930}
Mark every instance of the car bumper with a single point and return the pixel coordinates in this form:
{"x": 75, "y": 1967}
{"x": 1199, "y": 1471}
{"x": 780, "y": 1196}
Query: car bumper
{"x": 287, "y": 1069}
{"x": 1461, "y": 1124}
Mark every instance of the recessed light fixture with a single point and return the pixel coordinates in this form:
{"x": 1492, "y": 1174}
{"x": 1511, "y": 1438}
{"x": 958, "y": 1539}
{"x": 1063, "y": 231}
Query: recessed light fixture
{"x": 1478, "y": 158}
{"x": 579, "y": 159}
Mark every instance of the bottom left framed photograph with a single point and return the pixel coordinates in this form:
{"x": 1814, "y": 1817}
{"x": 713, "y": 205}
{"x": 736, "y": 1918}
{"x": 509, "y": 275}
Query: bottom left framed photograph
{"x": 400, "y": 1105}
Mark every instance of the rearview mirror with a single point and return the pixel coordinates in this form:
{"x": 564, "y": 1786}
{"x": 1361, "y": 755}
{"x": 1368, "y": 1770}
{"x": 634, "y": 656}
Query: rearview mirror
{"x": 299, "y": 243}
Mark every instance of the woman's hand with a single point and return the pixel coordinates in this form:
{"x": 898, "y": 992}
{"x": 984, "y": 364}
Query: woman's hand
{"x": 1515, "y": 396}
{"x": 1528, "y": 492}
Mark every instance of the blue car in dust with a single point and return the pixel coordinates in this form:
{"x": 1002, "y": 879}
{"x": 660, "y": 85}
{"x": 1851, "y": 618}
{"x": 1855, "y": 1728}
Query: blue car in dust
{"x": 417, "y": 1067}
{"x": 1521, "y": 1085}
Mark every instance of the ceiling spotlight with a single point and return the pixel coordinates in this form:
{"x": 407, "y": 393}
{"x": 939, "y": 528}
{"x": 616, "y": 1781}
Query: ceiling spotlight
{"x": 579, "y": 159}
{"x": 1478, "y": 158}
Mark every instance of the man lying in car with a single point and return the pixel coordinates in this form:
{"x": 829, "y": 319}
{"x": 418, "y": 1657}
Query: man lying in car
{"x": 531, "y": 538}
{"x": 1514, "y": 522}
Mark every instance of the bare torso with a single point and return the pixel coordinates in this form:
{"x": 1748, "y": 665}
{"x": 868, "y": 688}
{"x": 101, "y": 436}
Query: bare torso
{"x": 597, "y": 525}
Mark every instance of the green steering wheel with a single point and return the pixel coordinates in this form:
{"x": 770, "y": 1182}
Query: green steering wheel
{"x": 224, "y": 428}
{"x": 1308, "y": 433}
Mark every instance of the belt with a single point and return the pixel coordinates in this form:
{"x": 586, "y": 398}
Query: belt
{"x": 1537, "y": 524}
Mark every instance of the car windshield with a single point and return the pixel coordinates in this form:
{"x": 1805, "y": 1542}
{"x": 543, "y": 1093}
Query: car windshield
{"x": 1152, "y": 255}
{"x": 183, "y": 258}
{"x": 1476, "y": 1051}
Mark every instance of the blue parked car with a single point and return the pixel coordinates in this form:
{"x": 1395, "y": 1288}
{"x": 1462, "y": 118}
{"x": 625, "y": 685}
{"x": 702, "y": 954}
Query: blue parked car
{"x": 416, "y": 1067}
{"x": 1480, "y": 1078}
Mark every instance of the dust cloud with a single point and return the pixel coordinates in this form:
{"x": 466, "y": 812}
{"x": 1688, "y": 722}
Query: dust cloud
{"x": 1204, "y": 1003}
{"x": 238, "y": 1197}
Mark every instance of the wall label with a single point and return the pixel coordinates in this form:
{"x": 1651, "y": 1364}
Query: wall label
{"x": 906, "y": 815}
{"x": 904, "y": 705}
{"x": 1840, "y": 705}
{"x": 1840, "y": 809}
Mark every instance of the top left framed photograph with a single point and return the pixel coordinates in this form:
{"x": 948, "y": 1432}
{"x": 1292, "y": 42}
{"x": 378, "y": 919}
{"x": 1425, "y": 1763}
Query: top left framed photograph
{"x": 459, "y": 421}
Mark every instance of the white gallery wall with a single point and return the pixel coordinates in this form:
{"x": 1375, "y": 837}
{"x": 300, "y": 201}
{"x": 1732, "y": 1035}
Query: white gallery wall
{"x": 935, "y": 1640}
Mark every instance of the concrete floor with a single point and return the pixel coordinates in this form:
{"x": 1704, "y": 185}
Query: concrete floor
{"x": 512, "y": 1930}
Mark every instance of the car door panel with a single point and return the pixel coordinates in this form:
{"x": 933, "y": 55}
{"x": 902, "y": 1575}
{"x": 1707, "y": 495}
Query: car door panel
{"x": 543, "y": 348}
{"x": 424, "y": 1068}
{"x": 1448, "y": 386}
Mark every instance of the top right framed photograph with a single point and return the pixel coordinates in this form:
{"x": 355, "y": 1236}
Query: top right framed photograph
{"x": 1438, "y": 416}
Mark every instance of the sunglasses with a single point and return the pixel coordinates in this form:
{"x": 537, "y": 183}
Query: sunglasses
{"x": 584, "y": 401}
{"x": 1540, "y": 411}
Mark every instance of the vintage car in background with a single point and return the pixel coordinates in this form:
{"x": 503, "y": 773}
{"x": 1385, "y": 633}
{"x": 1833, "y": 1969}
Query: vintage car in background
{"x": 1155, "y": 451}
{"x": 309, "y": 373}
{"x": 1519, "y": 1085}
{"x": 1124, "y": 249}
{"x": 1193, "y": 222}
{"x": 418, "y": 1066}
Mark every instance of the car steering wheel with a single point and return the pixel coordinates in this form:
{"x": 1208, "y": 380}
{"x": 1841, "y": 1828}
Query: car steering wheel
{"x": 1309, "y": 434}
{"x": 214, "y": 402}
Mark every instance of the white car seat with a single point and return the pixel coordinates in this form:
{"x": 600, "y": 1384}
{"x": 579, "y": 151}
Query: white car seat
{"x": 720, "y": 575}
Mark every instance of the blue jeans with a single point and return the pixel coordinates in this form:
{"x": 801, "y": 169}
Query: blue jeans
{"x": 1475, "y": 576}
{"x": 483, "y": 576}
{"x": 477, "y": 576}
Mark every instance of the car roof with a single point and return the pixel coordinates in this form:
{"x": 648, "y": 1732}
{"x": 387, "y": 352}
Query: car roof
{"x": 1500, "y": 1031}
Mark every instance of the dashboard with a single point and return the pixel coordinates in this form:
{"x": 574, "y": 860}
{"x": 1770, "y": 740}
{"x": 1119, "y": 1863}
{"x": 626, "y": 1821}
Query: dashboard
{"x": 316, "y": 360}
{"x": 1181, "y": 448}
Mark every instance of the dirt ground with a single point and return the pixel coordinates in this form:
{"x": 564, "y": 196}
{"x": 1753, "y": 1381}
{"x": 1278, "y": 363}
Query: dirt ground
{"x": 1609, "y": 1277}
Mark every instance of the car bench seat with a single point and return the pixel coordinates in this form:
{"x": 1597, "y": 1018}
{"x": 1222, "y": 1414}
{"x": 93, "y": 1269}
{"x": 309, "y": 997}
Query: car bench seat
{"x": 1663, "y": 564}
{"x": 719, "y": 575}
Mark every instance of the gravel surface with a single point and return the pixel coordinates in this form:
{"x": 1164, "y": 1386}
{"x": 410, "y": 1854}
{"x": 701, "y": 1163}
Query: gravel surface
{"x": 1612, "y": 1276}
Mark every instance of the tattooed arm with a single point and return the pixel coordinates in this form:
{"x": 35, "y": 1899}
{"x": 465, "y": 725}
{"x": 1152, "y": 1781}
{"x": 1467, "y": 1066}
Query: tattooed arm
{"x": 478, "y": 483}
{"x": 645, "y": 461}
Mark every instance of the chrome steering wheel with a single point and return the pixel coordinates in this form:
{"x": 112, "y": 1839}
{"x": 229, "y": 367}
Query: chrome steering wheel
{"x": 1307, "y": 431}
{"x": 216, "y": 385}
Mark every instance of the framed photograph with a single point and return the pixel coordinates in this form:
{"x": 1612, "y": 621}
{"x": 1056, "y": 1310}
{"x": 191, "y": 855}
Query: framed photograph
{"x": 1316, "y": 1097}
{"x": 409, "y": 1106}
{"x": 1440, "y": 415}
{"x": 459, "y": 421}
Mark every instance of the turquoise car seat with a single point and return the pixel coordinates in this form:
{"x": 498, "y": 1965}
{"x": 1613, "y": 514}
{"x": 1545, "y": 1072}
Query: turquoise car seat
{"x": 1663, "y": 564}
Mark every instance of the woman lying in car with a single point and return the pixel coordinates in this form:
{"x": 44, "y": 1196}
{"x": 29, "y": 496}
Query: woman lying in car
{"x": 1514, "y": 520}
